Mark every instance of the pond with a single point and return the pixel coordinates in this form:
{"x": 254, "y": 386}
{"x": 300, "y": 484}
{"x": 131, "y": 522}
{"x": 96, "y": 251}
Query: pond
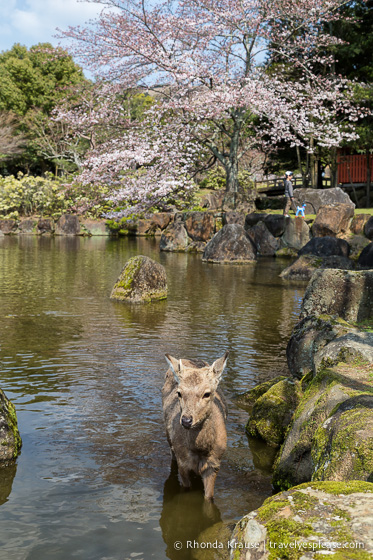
{"x": 93, "y": 480}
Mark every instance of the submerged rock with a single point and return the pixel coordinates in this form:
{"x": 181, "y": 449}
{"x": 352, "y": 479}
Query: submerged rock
{"x": 305, "y": 266}
{"x": 231, "y": 244}
{"x": 308, "y": 522}
{"x": 142, "y": 280}
{"x": 10, "y": 440}
{"x": 272, "y": 412}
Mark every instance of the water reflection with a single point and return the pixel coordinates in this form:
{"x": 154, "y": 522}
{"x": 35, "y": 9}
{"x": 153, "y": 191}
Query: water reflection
{"x": 7, "y": 475}
{"x": 185, "y": 515}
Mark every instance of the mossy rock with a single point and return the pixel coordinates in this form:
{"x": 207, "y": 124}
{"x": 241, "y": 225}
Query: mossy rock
{"x": 142, "y": 280}
{"x": 343, "y": 446}
{"x": 331, "y": 387}
{"x": 10, "y": 439}
{"x": 309, "y": 519}
{"x": 272, "y": 412}
{"x": 247, "y": 399}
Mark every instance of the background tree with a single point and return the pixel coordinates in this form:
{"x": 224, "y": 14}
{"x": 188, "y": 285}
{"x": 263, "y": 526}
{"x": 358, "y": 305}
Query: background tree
{"x": 215, "y": 97}
{"x": 11, "y": 144}
{"x": 32, "y": 82}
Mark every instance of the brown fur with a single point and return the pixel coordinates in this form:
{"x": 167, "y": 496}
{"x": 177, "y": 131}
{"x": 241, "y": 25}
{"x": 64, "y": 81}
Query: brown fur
{"x": 199, "y": 446}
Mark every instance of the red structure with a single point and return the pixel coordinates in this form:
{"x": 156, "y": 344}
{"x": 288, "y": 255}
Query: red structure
{"x": 353, "y": 168}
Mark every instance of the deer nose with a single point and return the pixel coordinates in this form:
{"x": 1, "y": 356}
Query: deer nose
{"x": 187, "y": 421}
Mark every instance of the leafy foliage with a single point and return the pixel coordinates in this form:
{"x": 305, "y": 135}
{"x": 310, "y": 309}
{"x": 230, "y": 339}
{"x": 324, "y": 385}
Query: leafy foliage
{"x": 48, "y": 196}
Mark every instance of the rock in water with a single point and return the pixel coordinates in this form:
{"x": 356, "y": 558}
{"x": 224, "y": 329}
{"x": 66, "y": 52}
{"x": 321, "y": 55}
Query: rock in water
{"x": 230, "y": 245}
{"x": 10, "y": 440}
{"x": 141, "y": 280}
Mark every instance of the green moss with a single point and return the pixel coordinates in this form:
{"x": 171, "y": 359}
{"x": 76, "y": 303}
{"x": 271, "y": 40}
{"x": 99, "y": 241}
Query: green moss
{"x": 249, "y": 397}
{"x": 337, "y": 487}
{"x": 272, "y": 412}
{"x": 330, "y": 449}
{"x": 11, "y": 420}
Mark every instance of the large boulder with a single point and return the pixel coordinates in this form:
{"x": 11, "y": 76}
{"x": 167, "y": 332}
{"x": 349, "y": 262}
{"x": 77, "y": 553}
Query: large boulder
{"x": 199, "y": 225}
{"x": 68, "y": 224}
{"x": 343, "y": 445}
{"x": 8, "y": 226}
{"x": 308, "y": 522}
{"x": 368, "y": 228}
{"x": 265, "y": 242}
{"x": 95, "y": 227}
{"x": 174, "y": 238}
{"x": 272, "y": 412}
{"x": 331, "y": 387}
{"x": 315, "y": 198}
{"x": 10, "y": 440}
{"x": 275, "y": 223}
{"x": 27, "y": 225}
{"x": 253, "y": 218}
{"x": 161, "y": 221}
{"x": 333, "y": 220}
{"x": 213, "y": 200}
{"x": 231, "y": 244}
{"x": 344, "y": 293}
{"x": 142, "y": 280}
{"x": 45, "y": 226}
{"x": 233, "y": 217}
{"x": 325, "y": 247}
{"x": 353, "y": 347}
{"x": 365, "y": 259}
{"x": 305, "y": 266}
{"x": 358, "y": 223}
{"x": 308, "y": 339}
{"x": 296, "y": 233}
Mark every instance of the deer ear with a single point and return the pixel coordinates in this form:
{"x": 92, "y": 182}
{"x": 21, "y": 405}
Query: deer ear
{"x": 175, "y": 365}
{"x": 219, "y": 365}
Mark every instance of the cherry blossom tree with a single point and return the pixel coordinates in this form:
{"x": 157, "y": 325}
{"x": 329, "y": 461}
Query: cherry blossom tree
{"x": 204, "y": 61}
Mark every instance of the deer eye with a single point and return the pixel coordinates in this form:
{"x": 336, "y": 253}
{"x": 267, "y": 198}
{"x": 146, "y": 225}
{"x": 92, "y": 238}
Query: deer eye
{"x": 179, "y": 394}
{"x": 206, "y": 395}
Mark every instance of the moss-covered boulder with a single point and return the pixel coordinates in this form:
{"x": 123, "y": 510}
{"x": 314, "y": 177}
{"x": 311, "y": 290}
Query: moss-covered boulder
{"x": 355, "y": 347}
{"x": 246, "y": 400}
{"x": 272, "y": 412}
{"x": 142, "y": 280}
{"x": 10, "y": 440}
{"x": 343, "y": 445}
{"x": 329, "y": 389}
{"x": 309, "y": 521}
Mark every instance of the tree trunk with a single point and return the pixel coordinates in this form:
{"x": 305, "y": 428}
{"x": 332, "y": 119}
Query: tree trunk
{"x": 304, "y": 177}
{"x": 333, "y": 168}
{"x": 369, "y": 171}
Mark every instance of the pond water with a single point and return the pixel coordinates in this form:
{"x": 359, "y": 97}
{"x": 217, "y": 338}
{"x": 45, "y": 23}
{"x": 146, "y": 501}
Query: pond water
{"x": 93, "y": 480}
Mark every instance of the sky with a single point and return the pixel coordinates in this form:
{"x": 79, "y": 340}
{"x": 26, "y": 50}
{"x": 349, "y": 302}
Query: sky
{"x": 35, "y": 21}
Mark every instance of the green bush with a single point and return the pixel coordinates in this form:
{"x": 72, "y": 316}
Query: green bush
{"x": 215, "y": 180}
{"x": 49, "y": 196}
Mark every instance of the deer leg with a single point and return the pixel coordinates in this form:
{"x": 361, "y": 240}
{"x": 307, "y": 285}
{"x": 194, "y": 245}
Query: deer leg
{"x": 184, "y": 476}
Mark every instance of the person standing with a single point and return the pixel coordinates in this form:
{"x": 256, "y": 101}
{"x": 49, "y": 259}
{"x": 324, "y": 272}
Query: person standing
{"x": 289, "y": 193}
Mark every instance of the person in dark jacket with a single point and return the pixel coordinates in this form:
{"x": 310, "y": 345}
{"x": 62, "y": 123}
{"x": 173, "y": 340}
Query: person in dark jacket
{"x": 289, "y": 194}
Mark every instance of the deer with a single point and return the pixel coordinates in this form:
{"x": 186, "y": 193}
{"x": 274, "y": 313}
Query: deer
{"x": 195, "y": 414}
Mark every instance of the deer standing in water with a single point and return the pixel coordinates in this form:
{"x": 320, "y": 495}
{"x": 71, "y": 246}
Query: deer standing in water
{"x": 195, "y": 413}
